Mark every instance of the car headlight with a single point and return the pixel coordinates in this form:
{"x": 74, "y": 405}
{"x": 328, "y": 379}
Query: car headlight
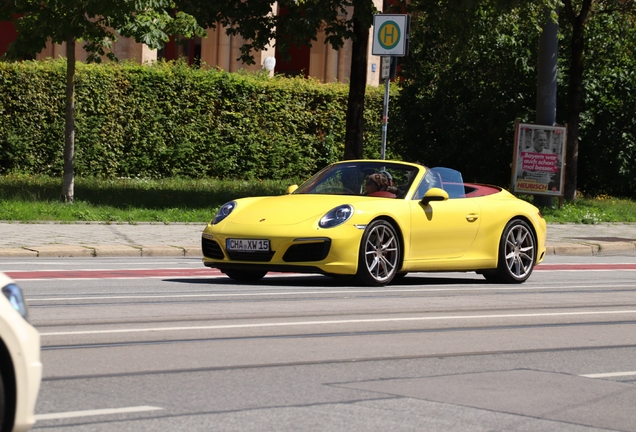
{"x": 14, "y": 294}
{"x": 224, "y": 212}
{"x": 336, "y": 216}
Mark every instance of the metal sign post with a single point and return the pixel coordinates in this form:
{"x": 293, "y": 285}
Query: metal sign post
{"x": 386, "y": 72}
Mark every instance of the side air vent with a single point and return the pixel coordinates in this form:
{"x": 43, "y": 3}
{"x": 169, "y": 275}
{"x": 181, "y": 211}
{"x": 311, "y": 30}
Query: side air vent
{"x": 211, "y": 249}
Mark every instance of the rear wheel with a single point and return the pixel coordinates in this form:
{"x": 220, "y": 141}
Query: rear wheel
{"x": 379, "y": 255}
{"x": 517, "y": 251}
{"x": 245, "y": 275}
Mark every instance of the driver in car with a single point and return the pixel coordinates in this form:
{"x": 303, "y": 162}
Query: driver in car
{"x": 379, "y": 185}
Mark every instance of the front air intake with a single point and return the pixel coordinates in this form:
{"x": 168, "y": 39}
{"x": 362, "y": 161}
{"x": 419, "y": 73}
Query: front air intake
{"x": 307, "y": 252}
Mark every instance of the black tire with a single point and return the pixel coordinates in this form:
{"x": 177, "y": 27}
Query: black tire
{"x": 7, "y": 397}
{"x": 2, "y": 404}
{"x": 517, "y": 254}
{"x": 245, "y": 275}
{"x": 379, "y": 256}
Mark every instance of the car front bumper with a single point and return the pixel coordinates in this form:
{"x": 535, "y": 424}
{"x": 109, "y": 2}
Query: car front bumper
{"x": 327, "y": 251}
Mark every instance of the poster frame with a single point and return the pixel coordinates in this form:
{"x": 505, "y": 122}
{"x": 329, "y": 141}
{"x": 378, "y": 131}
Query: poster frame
{"x": 539, "y": 172}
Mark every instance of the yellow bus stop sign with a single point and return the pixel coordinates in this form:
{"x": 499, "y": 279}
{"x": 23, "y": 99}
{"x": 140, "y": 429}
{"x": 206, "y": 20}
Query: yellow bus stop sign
{"x": 390, "y": 35}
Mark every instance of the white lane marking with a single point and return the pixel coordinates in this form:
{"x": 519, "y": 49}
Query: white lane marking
{"x": 590, "y": 264}
{"x": 194, "y": 266}
{"x": 117, "y": 260}
{"x": 609, "y": 375}
{"x": 375, "y": 291}
{"x": 211, "y": 276}
{"x": 335, "y": 322}
{"x": 596, "y": 270}
{"x": 97, "y": 412}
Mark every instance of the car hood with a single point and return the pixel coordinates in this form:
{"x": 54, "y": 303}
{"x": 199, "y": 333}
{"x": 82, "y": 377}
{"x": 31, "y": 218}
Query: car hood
{"x": 286, "y": 209}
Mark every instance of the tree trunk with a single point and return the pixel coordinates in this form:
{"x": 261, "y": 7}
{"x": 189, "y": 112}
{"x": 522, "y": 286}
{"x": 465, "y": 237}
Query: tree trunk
{"x": 575, "y": 95}
{"x": 357, "y": 85}
{"x": 68, "y": 186}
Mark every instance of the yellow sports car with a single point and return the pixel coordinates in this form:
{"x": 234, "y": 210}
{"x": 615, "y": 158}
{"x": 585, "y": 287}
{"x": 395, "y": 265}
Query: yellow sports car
{"x": 378, "y": 220}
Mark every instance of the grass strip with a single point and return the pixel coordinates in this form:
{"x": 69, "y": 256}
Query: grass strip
{"x": 26, "y": 198}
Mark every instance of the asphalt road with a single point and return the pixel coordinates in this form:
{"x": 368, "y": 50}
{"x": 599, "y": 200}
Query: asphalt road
{"x": 154, "y": 344}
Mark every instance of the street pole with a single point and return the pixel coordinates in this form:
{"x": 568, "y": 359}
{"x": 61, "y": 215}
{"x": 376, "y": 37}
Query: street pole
{"x": 547, "y": 83}
{"x": 385, "y": 116}
{"x": 387, "y": 71}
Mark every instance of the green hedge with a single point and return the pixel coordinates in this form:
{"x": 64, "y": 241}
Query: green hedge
{"x": 170, "y": 120}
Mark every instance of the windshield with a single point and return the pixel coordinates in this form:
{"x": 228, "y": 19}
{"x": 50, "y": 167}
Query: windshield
{"x": 353, "y": 178}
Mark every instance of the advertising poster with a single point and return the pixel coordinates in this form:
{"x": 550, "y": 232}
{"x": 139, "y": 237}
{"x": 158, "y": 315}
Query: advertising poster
{"x": 538, "y": 167}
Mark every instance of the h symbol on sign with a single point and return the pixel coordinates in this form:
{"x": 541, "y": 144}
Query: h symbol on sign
{"x": 388, "y": 35}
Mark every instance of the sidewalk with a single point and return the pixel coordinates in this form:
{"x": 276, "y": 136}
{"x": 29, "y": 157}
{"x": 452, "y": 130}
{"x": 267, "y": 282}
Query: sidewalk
{"x": 157, "y": 239}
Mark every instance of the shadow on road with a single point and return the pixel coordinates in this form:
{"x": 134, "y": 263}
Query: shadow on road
{"x": 326, "y": 281}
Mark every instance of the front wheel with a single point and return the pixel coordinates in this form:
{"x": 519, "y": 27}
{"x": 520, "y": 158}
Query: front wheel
{"x": 245, "y": 275}
{"x": 379, "y": 255}
{"x": 517, "y": 251}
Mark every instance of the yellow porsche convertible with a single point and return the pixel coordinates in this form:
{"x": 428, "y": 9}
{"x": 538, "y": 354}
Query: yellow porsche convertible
{"x": 378, "y": 220}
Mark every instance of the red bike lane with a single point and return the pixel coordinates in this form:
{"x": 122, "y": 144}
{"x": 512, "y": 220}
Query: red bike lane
{"x": 207, "y": 272}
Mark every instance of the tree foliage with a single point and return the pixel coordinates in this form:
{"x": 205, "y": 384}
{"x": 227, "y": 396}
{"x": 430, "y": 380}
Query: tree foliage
{"x": 96, "y": 24}
{"x": 470, "y": 73}
{"x": 468, "y": 78}
{"x": 259, "y": 26}
{"x": 299, "y": 25}
{"x": 607, "y": 138}
{"x": 465, "y": 83}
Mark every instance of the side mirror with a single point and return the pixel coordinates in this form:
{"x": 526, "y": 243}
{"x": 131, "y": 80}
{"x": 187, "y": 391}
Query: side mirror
{"x": 434, "y": 194}
{"x": 291, "y": 189}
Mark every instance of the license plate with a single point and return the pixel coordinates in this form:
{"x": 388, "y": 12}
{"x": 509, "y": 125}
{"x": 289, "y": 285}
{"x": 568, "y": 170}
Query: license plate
{"x": 247, "y": 245}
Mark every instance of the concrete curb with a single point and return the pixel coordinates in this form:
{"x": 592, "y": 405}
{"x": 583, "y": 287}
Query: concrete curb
{"x": 17, "y": 253}
{"x": 589, "y": 249}
{"x": 194, "y": 251}
{"x": 70, "y": 251}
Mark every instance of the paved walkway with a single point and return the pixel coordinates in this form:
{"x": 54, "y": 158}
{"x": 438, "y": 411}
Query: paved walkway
{"x": 156, "y": 239}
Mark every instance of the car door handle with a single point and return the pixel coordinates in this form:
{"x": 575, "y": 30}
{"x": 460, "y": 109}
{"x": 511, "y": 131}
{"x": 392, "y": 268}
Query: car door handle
{"x": 472, "y": 217}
